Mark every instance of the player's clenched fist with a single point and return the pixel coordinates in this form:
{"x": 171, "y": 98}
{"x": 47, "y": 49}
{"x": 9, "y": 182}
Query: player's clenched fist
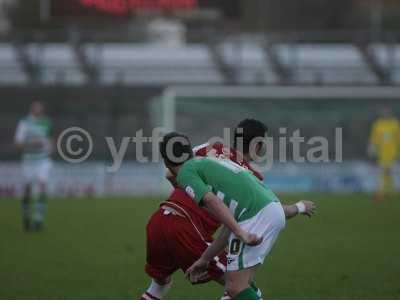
{"x": 251, "y": 239}
{"x": 198, "y": 271}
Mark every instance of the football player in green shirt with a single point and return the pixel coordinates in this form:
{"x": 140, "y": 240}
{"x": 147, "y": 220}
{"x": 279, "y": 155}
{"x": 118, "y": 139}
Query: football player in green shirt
{"x": 33, "y": 137}
{"x": 250, "y": 212}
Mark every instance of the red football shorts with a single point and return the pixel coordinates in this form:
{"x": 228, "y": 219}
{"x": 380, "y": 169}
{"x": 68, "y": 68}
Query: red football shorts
{"x": 173, "y": 243}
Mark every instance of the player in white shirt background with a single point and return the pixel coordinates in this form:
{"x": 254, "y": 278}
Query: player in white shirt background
{"x": 33, "y": 139}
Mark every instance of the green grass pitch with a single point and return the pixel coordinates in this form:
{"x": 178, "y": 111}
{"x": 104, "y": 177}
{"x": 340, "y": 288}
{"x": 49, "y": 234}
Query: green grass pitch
{"x": 95, "y": 249}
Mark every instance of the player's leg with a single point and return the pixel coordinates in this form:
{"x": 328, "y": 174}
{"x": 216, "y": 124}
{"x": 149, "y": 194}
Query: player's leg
{"x": 386, "y": 182}
{"x": 243, "y": 260}
{"x": 160, "y": 263}
{"x": 28, "y": 172}
{"x": 247, "y": 294}
{"x": 252, "y": 284}
{"x": 237, "y": 284}
{"x": 242, "y": 265}
{"x": 43, "y": 173}
{"x": 26, "y": 206}
{"x": 40, "y": 206}
{"x": 158, "y": 289}
{"x": 388, "y": 185}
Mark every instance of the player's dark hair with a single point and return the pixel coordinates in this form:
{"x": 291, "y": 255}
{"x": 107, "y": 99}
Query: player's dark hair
{"x": 175, "y": 149}
{"x": 247, "y": 130}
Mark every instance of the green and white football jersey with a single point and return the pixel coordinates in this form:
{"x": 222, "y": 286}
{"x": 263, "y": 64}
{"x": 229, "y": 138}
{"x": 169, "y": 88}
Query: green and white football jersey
{"x": 241, "y": 191}
{"x": 33, "y": 129}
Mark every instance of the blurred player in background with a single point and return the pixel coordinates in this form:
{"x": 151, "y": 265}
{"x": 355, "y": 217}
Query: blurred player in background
{"x": 180, "y": 231}
{"x": 33, "y": 139}
{"x": 384, "y": 144}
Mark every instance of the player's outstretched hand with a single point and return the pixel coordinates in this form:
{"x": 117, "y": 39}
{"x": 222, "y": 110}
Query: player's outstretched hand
{"x": 310, "y": 208}
{"x": 251, "y": 239}
{"x": 198, "y": 271}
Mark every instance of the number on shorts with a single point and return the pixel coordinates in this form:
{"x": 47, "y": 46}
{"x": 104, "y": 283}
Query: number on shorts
{"x": 235, "y": 246}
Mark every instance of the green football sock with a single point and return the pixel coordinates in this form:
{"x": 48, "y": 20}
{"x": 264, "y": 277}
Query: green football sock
{"x": 247, "y": 294}
{"x": 40, "y": 208}
{"x": 26, "y": 208}
{"x": 255, "y": 288}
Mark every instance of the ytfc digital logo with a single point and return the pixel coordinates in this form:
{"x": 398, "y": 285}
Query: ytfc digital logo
{"x": 75, "y": 145}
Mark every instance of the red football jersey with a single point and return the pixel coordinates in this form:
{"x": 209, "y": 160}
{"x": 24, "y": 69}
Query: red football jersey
{"x": 219, "y": 150}
{"x": 182, "y": 202}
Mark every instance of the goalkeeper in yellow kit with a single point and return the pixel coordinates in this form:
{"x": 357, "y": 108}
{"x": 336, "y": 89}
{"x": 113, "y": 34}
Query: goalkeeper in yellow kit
{"x": 384, "y": 144}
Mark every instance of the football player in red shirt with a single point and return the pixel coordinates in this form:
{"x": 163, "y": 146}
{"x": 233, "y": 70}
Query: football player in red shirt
{"x": 180, "y": 231}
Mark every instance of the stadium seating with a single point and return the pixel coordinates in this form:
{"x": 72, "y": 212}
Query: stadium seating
{"x": 249, "y": 62}
{"x": 57, "y": 62}
{"x": 325, "y": 64}
{"x": 144, "y": 64}
{"x": 11, "y": 71}
{"x": 243, "y": 59}
{"x": 389, "y": 57}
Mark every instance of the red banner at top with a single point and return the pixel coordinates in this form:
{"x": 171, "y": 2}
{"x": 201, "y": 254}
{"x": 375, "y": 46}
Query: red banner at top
{"x": 122, "y": 7}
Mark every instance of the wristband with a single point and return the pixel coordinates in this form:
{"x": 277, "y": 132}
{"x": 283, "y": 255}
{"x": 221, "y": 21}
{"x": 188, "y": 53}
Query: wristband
{"x": 301, "y": 207}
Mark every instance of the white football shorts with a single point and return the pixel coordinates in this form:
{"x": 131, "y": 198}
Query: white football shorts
{"x": 268, "y": 223}
{"x": 38, "y": 170}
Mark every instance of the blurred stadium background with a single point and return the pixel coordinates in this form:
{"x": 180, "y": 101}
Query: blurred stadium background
{"x": 107, "y": 65}
{"x": 114, "y": 67}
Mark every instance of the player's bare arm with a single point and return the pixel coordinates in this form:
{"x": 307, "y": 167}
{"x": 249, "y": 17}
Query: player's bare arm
{"x": 224, "y": 215}
{"x": 304, "y": 207}
{"x": 199, "y": 269}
